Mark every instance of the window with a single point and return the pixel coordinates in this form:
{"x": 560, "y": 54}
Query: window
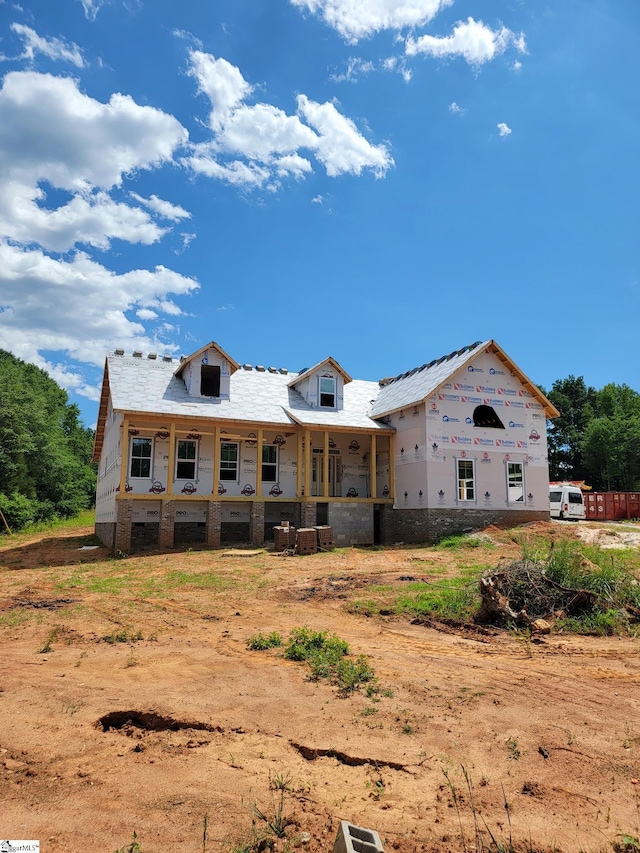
{"x": 141, "y": 450}
{"x": 269, "y": 463}
{"x": 515, "y": 482}
{"x": 327, "y": 389}
{"x": 229, "y": 460}
{"x": 575, "y": 498}
{"x": 466, "y": 490}
{"x": 485, "y": 416}
{"x": 209, "y": 381}
{"x": 186, "y": 460}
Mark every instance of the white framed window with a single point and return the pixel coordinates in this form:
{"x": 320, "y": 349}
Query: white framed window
{"x": 229, "y": 460}
{"x": 186, "y": 459}
{"x": 269, "y": 463}
{"x": 141, "y": 456}
{"x": 327, "y": 392}
{"x": 515, "y": 482}
{"x": 466, "y": 480}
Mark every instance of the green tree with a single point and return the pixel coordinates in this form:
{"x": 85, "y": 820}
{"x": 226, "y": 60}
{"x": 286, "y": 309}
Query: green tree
{"x": 576, "y": 403}
{"x": 45, "y": 450}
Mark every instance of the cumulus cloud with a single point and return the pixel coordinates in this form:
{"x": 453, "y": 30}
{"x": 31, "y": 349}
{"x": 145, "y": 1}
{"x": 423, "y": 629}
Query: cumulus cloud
{"x": 258, "y": 145}
{"x": 455, "y": 108}
{"x": 163, "y": 208}
{"x": 504, "y": 129}
{"x": 63, "y": 155}
{"x": 54, "y": 48}
{"x": 472, "y": 40}
{"x": 79, "y": 307}
{"x": 355, "y": 20}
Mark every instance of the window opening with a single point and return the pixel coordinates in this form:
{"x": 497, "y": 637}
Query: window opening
{"x": 229, "y": 460}
{"x": 186, "y": 459}
{"x": 327, "y": 392}
{"x": 269, "y": 463}
{"x": 466, "y": 491}
{"x": 485, "y": 416}
{"x": 141, "y": 449}
{"x": 515, "y": 482}
{"x": 209, "y": 380}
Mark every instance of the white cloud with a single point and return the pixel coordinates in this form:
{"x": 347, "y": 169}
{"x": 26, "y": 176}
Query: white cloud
{"x": 317, "y": 199}
{"x": 163, "y": 208}
{"x": 516, "y": 66}
{"x": 258, "y": 145}
{"x": 54, "y": 48}
{"x": 356, "y": 68}
{"x": 228, "y": 307}
{"x": 472, "y": 40}
{"x": 91, "y": 8}
{"x": 78, "y": 307}
{"x": 455, "y": 108}
{"x": 63, "y": 155}
{"x": 341, "y": 147}
{"x": 355, "y": 19}
{"x": 504, "y": 129}
{"x": 221, "y": 82}
{"x": 51, "y": 133}
{"x": 260, "y": 131}
{"x": 50, "y": 130}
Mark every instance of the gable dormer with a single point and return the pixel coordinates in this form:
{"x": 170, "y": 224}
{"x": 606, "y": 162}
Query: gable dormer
{"x": 207, "y": 373}
{"x": 322, "y": 386}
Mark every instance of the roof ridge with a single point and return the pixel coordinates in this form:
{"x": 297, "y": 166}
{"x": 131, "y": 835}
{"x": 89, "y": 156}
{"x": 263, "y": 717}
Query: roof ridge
{"x": 429, "y": 365}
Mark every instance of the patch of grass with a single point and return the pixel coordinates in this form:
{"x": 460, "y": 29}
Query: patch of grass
{"x": 326, "y": 656}
{"x": 456, "y": 599}
{"x": 261, "y": 642}
{"x": 123, "y": 635}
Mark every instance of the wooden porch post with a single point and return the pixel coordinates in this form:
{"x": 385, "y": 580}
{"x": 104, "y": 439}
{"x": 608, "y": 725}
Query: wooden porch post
{"x": 216, "y": 461}
{"x": 299, "y": 467}
{"x": 325, "y": 465}
{"x": 373, "y": 467}
{"x": 124, "y": 454}
{"x": 259, "y": 465}
{"x": 307, "y": 463}
{"x": 172, "y": 457}
{"x": 392, "y": 468}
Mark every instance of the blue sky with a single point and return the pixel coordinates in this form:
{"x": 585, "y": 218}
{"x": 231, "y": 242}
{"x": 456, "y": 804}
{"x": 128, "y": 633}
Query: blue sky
{"x": 382, "y": 182}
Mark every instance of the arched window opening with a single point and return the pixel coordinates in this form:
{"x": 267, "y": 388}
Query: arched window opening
{"x": 485, "y": 416}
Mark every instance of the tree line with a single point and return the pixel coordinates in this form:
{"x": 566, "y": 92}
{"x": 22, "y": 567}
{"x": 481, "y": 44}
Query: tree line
{"x": 597, "y": 436}
{"x": 45, "y": 450}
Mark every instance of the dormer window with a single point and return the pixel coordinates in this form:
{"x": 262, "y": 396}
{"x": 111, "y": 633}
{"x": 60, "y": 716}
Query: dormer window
{"x": 485, "y": 416}
{"x": 327, "y": 392}
{"x": 209, "y": 381}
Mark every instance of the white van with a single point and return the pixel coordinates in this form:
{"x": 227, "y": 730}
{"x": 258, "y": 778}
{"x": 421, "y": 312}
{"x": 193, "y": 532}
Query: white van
{"x": 566, "y": 501}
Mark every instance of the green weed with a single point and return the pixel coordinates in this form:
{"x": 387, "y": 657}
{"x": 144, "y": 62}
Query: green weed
{"x": 261, "y": 642}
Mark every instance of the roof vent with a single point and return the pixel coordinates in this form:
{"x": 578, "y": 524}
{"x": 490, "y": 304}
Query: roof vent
{"x": 283, "y": 371}
{"x": 167, "y": 358}
{"x": 181, "y": 359}
{"x": 137, "y": 353}
{"x": 247, "y": 367}
{"x": 152, "y": 356}
{"x": 119, "y": 352}
{"x": 272, "y": 369}
{"x": 260, "y": 367}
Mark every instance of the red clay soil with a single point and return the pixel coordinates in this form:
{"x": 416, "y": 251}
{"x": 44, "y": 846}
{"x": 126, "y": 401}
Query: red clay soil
{"x": 172, "y": 718}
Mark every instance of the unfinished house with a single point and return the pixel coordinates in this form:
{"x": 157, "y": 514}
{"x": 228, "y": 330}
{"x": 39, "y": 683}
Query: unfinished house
{"x": 207, "y": 450}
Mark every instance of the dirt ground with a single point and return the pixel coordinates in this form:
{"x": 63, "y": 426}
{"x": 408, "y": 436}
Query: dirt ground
{"x": 178, "y": 731}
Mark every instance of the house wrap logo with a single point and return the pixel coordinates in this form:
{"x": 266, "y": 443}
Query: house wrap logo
{"x": 485, "y": 389}
{"x": 473, "y": 369}
{"x": 495, "y": 372}
{"x": 507, "y": 392}
{"x": 514, "y": 425}
{"x": 476, "y": 400}
{"x": 534, "y": 435}
{"x": 461, "y": 386}
{"x": 450, "y": 420}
